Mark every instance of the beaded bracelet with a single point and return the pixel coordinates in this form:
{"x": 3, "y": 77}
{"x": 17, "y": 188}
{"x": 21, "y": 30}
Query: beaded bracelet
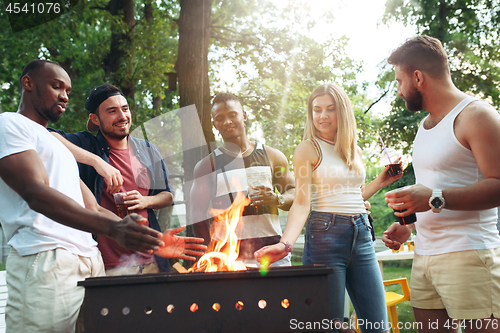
{"x": 288, "y": 247}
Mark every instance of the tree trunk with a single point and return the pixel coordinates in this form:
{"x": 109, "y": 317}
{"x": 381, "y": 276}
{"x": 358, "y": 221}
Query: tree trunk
{"x": 148, "y": 15}
{"x": 118, "y": 62}
{"x": 443, "y": 20}
{"x": 192, "y": 60}
{"x": 192, "y": 72}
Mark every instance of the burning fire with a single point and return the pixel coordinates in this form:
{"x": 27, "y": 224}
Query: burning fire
{"x": 224, "y": 247}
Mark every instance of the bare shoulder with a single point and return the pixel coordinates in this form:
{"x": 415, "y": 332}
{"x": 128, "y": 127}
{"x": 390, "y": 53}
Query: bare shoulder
{"x": 478, "y": 111}
{"x": 306, "y": 152}
{"x": 478, "y": 121}
{"x": 203, "y": 167}
{"x": 275, "y": 155}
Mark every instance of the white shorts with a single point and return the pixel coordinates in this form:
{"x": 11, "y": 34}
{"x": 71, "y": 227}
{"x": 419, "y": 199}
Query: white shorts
{"x": 43, "y": 295}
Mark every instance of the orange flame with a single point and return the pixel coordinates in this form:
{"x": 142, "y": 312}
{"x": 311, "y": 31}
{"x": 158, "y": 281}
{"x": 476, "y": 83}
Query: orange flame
{"x": 224, "y": 247}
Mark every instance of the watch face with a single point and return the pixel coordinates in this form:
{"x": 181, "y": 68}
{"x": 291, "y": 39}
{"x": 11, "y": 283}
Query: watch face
{"x": 281, "y": 200}
{"x": 437, "y": 202}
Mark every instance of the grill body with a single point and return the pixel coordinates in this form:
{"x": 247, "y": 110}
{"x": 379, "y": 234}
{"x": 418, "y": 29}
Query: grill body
{"x": 166, "y": 302}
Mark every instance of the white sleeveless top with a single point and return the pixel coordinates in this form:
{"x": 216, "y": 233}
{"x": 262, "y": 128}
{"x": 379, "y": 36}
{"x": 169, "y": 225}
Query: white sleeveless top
{"x": 335, "y": 188}
{"x": 442, "y": 162}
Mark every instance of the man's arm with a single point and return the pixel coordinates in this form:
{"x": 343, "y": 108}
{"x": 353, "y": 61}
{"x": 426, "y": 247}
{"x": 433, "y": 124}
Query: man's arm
{"x": 160, "y": 195}
{"x": 111, "y": 175}
{"x": 200, "y": 197}
{"x": 175, "y": 246}
{"x": 25, "y": 173}
{"x": 283, "y": 180}
{"x": 91, "y": 203}
{"x": 136, "y": 201}
{"x": 477, "y": 128}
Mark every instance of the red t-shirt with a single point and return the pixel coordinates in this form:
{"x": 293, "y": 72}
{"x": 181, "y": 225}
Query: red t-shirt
{"x": 135, "y": 177}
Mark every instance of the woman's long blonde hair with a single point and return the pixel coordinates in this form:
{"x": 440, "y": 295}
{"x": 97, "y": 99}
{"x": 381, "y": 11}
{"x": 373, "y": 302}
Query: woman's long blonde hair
{"x": 346, "y": 143}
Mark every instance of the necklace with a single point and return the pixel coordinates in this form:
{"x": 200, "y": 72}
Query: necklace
{"x": 240, "y": 153}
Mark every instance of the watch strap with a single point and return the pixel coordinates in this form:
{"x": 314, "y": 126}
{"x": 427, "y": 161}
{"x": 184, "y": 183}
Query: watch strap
{"x": 281, "y": 199}
{"x": 436, "y": 193}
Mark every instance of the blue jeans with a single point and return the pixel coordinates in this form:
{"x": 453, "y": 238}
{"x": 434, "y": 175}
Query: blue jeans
{"x": 345, "y": 244}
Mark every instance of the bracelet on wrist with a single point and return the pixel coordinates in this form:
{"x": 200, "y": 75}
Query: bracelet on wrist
{"x": 288, "y": 247}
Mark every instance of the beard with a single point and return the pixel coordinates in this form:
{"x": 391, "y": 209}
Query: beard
{"x": 49, "y": 113}
{"x": 414, "y": 100}
{"x": 113, "y": 135}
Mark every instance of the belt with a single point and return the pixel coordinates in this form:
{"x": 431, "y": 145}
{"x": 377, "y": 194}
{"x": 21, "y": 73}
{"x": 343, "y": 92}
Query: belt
{"x": 338, "y": 218}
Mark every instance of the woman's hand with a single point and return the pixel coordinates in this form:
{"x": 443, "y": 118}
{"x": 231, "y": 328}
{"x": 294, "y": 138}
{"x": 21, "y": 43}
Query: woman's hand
{"x": 271, "y": 253}
{"x": 384, "y": 177}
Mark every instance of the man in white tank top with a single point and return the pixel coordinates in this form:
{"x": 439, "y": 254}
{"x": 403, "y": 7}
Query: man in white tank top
{"x": 456, "y": 157}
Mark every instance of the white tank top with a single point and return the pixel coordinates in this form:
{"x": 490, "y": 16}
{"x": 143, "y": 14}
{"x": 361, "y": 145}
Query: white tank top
{"x": 442, "y": 162}
{"x": 335, "y": 188}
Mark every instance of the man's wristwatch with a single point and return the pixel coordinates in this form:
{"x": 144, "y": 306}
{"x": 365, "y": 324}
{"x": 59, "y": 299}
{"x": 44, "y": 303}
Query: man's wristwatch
{"x": 281, "y": 200}
{"x": 436, "y": 201}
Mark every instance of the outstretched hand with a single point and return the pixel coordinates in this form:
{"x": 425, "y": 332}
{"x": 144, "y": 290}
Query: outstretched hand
{"x": 134, "y": 236}
{"x": 271, "y": 253}
{"x": 180, "y": 247}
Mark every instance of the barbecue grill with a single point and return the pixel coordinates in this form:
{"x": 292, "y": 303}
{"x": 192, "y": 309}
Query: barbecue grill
{"x": 232, "y": 302}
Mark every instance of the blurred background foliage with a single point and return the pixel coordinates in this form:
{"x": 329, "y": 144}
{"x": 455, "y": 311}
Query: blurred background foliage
{"x": 134, "y": 44}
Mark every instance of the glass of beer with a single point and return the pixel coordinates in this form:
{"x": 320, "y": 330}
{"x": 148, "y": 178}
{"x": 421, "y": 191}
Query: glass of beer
{"x": 401, "y": 249}
{"x": 411, "y": 243}
{"x": 120, "y": 204}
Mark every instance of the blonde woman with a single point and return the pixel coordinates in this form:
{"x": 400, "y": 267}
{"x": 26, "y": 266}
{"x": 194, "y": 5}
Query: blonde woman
{"x": 329, "y": 196}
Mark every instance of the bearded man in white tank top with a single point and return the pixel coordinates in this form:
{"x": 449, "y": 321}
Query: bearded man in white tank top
{"x": 456, "y": 157}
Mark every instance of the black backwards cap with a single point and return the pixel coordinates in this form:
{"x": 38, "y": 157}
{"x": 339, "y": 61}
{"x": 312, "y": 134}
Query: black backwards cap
{"x": 96, "y": 97}
{"x": 99, "y": 95}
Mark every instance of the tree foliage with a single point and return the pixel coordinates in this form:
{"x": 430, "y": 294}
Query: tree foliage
{"x": 278, "y": 66}
{"x": 81, "y": 41}
{"x": 469, "y": 32}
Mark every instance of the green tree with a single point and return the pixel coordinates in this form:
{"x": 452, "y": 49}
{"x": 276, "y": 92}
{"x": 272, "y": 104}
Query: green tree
{"x": 97, "y": 42}
{"x": 278, "y": 66}
{"x": 469, "y": 32}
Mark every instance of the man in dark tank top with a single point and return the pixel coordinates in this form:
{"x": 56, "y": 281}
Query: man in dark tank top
{"x": 240, "y": 165}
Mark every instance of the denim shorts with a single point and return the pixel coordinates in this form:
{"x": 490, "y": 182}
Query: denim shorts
{"x": 345, "y": 244}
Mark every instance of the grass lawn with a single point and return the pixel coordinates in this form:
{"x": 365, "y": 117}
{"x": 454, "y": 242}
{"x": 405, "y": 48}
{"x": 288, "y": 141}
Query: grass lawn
{"x": 395, "y": 270}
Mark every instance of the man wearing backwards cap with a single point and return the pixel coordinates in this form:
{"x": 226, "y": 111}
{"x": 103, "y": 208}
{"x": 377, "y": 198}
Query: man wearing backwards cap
{"x": 142, "y": 169}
